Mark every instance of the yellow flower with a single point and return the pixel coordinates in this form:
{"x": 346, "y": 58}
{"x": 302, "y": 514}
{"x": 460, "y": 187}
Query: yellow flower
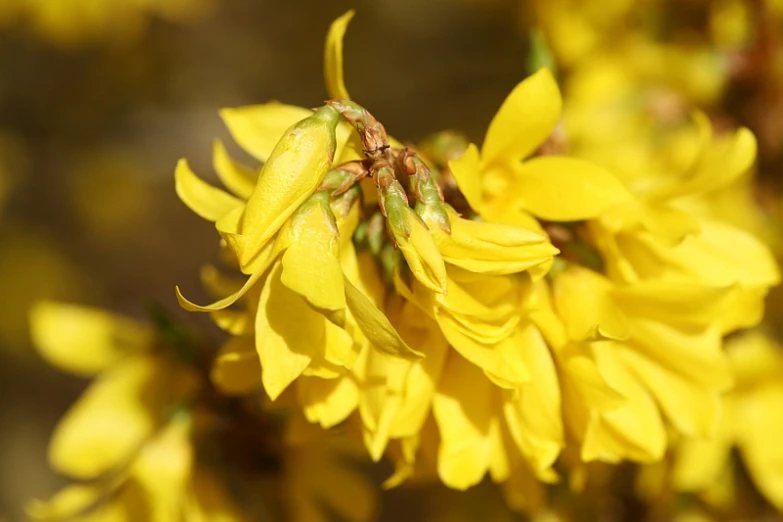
{"x": 491, "y": 248}
{"x": 500, "y": 186}
{"x": 292, "y": 172}
{"x": 751, "y": 423}
{"x": 129, "y": 435}
{"x": 665, "y": 236}
{"x": 310, "y": 318}
{"x": 615, "y": 348}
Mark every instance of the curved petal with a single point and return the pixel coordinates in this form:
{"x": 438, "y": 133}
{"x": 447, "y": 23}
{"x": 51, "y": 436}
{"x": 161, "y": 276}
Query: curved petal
{"x": 558, "y": 188}
{"x": 202, "y": 198}
{"x": 723, "y": 162}
{"x": 375, "y": 325}
{"x": 333, "y": 57}
{"x": 220, "y": 303}
{"x": 258, "y": 128}
{"x": 524, "y": 121}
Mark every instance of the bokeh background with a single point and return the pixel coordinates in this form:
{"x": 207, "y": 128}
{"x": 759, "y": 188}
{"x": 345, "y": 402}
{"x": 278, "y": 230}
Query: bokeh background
{"x": 96, "y": 108}
{"x": 93, "y": 119}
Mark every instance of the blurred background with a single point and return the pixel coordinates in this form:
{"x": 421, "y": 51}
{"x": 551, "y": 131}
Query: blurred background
{"x": 98, "y": 100}
{"x": 96, "y": 106}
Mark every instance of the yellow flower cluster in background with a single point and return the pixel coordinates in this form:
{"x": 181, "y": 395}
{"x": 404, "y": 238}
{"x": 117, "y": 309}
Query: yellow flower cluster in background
{"x": 70, "y": 22}
{"x": 582, "y": 289}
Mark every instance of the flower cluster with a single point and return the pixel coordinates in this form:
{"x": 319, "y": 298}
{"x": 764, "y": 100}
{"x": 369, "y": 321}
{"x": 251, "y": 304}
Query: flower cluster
{"x": 578, "y": 291}
{"x": 477, "y": 311}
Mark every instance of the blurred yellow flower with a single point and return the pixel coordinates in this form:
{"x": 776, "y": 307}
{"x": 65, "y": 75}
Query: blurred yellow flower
{"x": 129, "y": 437}
{"x": 751, "y": 423}
{"x": 71, "y": 22}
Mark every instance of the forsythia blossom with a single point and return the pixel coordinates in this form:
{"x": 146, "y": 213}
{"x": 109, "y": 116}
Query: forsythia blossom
{"x": 416, "y": 291}
{"x": 570, "y": 292}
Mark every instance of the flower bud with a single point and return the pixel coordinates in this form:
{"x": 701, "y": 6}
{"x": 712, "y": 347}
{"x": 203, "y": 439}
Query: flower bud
{"x": 298, "y": 164}
{"x": 412, "y": 237}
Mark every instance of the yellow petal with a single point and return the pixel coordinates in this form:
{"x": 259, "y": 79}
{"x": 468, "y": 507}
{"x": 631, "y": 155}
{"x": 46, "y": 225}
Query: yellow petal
{"x": 288, "y": 334}
{"x": 258, "y": 128}
{"x": 237, "y": 178}
{"x": 311, "y": 265}
{"x": 328, "y": 401}
{"x": 583, "y": 301}
{"x": 722, "y": 254}
{"x": 202, "y": 198}
{"x": 559, "y": 188}
{"x": 700, "y": 358}
{"x": 755, "y": 357}
{"x": 673, "y": 302}
{"x": 422, "y": 255}
{"x": 375, "y": 325}
{"x": 236, "y": 369}
{"x": 349, "y": 147}
{"x": 491, "y": 248}
{"x": 380, "y": 400}
{"x": 501, "y": 360}
{"x": 340, "y": 348}
{"x": 333, "y": 57}
{"x": 693, "y": 409}
{"x": 107, "y": 423}
{"x": 635, "y": 429}
{"x": 723, "y": 162}
{"x": 463, "y": 408}
{"x": 583, "y": 375}
{"x": 699, "y": 462}
{"x": 534, "y": 417}
{"x": 163, "y": 468}
{"x": 467, "y": 172}
{"x": 760, "y": 431}
{"x": 421, "y": 377}
{"x": 524, "y": 121}
{"x": 84, "y": 340}
{"x": 298, "y": 163}
{"x": 235, "y": 322}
